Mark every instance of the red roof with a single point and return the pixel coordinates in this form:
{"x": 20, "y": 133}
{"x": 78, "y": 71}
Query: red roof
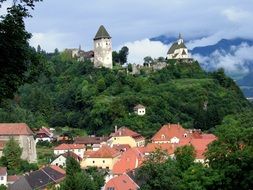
{"x": 169, "y": 131}
{"x": 72, "y": 154}
{"x": 12, "y": 178}
{"x": 151, "y": 147}
{"x": 122, "y": 182}
{"x": 200, "y": 145}
{"x": 121, "y": 147}
{"x": 104, "y": 152}
{"x": 69, "y": 146}
{"x": 129, "y": 160}
{"x": 124, "y": 131}
{"x": 44, "y": 130}
{"x": 3, "y": 171}
{"x": 58, "y": 169}
{"x": 15, "y": 129}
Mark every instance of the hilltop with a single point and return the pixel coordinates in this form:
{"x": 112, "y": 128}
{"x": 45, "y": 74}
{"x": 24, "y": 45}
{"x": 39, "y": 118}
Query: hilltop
{"x": 75, "y": 94}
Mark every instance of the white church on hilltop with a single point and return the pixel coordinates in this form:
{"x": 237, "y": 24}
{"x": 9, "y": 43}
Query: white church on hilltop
{"x": 102, "y": 49}
{"x": 178, "y": 50}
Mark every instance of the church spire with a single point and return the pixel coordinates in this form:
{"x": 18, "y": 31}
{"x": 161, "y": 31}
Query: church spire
{"x": 180, "y": 39}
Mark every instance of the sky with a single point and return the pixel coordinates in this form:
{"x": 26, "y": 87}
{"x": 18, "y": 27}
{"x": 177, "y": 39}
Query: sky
{"x": 69, "y": 23}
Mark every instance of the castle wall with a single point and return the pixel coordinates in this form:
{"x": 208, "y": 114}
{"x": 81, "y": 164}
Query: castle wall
{"x": 28, "y": 145}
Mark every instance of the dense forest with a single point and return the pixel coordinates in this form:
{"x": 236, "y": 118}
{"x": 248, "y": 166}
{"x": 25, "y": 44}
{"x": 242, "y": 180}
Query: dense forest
{"x": 64, "y": 92}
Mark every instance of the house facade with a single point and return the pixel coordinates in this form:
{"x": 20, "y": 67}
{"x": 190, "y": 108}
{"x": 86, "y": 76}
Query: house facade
{"x": 104, "y": 158}
{"x": 78, "y": 149}
{"x": 44, "y": 134}
{"x": 102, "y": 48}
{"x": 124, "y": 135}
{"x": 3, "y": 176}
{"x": 61, "y": 159}
{"x": 23, "y": 135}
{"x": 140, "y": 110}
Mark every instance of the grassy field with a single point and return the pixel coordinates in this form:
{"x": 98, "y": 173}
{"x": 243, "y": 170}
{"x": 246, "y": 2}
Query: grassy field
{"x": 45, "y": 155}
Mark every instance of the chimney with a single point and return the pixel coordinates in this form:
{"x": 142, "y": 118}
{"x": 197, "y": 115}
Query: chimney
{"x": 115, "y": 128}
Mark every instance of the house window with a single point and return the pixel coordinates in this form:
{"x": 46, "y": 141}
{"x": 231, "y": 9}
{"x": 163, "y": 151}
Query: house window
{"x": 2, "y": 178}
{"x": 79, "y": 150}
{"x": 93, "y": 162}
{"x": 103, "y": 161}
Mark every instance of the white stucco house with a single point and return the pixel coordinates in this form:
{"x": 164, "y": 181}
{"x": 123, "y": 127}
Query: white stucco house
{"x": 78, "y": 149}
{"x": 140, "y": 110}
{"x": 3, "y": 176}
{"x": 61, "y": 159}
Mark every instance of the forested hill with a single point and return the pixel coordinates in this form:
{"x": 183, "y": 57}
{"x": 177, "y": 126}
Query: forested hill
{"x": 74, "y": 94}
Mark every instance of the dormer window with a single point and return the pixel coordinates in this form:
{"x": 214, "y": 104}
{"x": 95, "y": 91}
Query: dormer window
{"x": 185, "y": 135}
{"x": 163, "y": 136}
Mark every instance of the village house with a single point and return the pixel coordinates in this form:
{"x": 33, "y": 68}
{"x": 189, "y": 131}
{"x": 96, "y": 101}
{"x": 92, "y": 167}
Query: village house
{"x": 61, "y": 159}
{"x": 23, "y": 135}
{"x": 170, "y": 133}
{"x": 122, "y": 182}
{"x": 124, "y": 135}
{"x": 129, "y": 160}
{"x": 91, "y": 142}
{"x": 104, "y": 158}
{"x": 78, "y": 149}
{"x": 152, "y": 147}
{"x": 44, "y": 134}
{"x": 178, "y": 50}
{"x": 39, "y": 179}
{"x": 3, "y": 176}
{"x": 140, "y": 110}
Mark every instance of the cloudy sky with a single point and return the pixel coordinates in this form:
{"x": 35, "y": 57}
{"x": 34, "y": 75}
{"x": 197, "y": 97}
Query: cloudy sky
{"x": 68, "y": 23}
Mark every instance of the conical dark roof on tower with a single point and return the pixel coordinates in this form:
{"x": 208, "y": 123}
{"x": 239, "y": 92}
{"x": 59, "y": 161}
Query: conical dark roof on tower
{"x": 102, "y": 33}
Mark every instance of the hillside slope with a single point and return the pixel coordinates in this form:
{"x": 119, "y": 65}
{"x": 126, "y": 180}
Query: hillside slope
{"x": 70, "y": 93}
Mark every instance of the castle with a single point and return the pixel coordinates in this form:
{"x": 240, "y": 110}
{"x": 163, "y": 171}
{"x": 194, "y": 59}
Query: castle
{"x": 102, "y": 49}
{"x": 102, "y": 53}
{"x": 178, "y": 50}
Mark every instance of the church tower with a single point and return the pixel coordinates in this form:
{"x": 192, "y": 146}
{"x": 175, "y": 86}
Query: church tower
{"x": 102, "y": 49}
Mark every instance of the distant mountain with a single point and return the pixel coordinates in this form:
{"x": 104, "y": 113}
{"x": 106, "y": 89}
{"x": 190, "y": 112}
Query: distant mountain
{"x": 164, "y": 39}
{"x": 223, "y": 45}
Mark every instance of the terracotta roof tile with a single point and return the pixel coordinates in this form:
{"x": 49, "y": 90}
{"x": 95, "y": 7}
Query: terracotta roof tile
{"x": 58, "y": 169}
{"x": 15, "y": 129}
{"x": 151, "y": 147}
{"x": 104, "y": 152}
{"x": 12, "y": 178}
{"x": 3, "y": 171}
{"x": 124, "y": 131}
{"x": 169, "y": 131}
{"x": 128, "y": 161}
{"x": 69, "y": 146}
{"x": 122, "y": 182}
{"x": 90, "y": 140}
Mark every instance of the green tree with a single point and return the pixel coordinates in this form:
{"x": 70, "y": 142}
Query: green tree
{"x": 158, "y": 172}
{"x": 76, "y": 179}
{"x": 185, "y": 157}
{"x": 3, "y": 187}
{"x": 122, "y": 55}
{"x": 232, "y": 155}
{"x": 12, "y": 154}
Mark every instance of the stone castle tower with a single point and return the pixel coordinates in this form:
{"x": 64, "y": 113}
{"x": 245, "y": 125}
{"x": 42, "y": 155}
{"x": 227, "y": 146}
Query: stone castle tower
{"x": 102, "y": 48}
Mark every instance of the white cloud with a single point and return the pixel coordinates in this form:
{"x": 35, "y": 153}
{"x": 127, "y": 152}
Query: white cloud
{"x": 142, "y": 48}
{"x": 234, "y": 63}
{"x": 236, "y": 15}
{"x": 50, "y": 40}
